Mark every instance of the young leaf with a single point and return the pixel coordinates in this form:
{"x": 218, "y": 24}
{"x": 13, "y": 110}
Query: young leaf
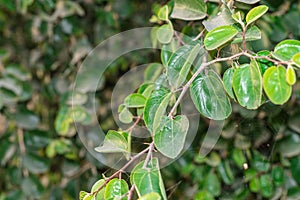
{"x": 135, "y": 101}
{"x": 115, "y": 189}
{"x": 95, "y": 187}
{"x": 150, "y": 196}
{"x": 296, "y": 59}
{"x": 189, "y": 9}
{"x": 286, "y": 49}
{"x": 238, "y": 17}
{"x": 163, "y": 13}
{"x": 180, "y": 63}
{"x": 169, "y": 139}
{"x": 255, "y": 13}
{"x": 148, "y": 179}
{"x": 247, "y": 85}
{"x": 209, "y": 97}
{"x": 156, "y": 107}
{"x": 125, "y": 115}
{"x": 113, "y": 142}
{"x": 82, "y": 194}
{"x": 165, "y": 33}
{"x": 290, "y": 75}
{"x": 227, "y": 81}
{"x": 275, "y": 85}
{"x": 219, "y": 36}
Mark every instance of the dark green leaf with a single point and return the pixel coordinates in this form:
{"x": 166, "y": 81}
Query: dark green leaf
{"x": 150, "y": 196}
{"x": 209, "y": 97}
{"x": 226, "y": 173}
{"x": 266, "y": 185}
{"x": 26, "y": 119}
{"x": 295, "y": 168}
{"x": 227, "y": 81}
{"x": 35, "y": 164}
{"x": 289, "y": 146}
{"x": 213, "y": 184}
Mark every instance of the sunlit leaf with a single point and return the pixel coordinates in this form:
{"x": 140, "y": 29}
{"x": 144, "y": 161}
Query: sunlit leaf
{"x": 113, "y": 142}
{"x": 115, "y": 189}
{"x": 255, "y": 13}
{"x": 189, "y": 9}
{"x": 286, "y": 49}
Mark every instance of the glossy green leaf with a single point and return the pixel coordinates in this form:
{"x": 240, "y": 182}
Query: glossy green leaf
{"x": 247, "y": 85}
{"x": 278, "y": 175}
{"x": 95, "y": 187}
{"x": 227, "y": 81}
{"x": 167, "y": 51}
{"x": 163, "y": 13}
{"x": 148, "y": 179}
{"x": 82, "y": 194}
{"x": 290, "y": 75}
{"x": 209, "y": 96}
{"x": 115, "y": 189}
{"x": 212, "y": 184}
{"x": 169, "y": 139}
{"x": 135, "y": 101}
{"x": 255, "y": 13}
{"x": 63, "y": 120}
{"x": 296, "y": 59}
{"x": 180, "y": 63}
{"x": 156, "y": 107}
{"x": 113, "y": 142}
{"x": 253, "y": 33}
{"x": 259, "y": 162}
{"x": 239, "y": 157}
{"x": 275, "y": 85}
{"x": 219, "y": 36}
{"x": 286, "y": 49}
{"x": 150, "y": 196}
{"x": 266, "y": 185}
{"x": 295, "y": 168}
{"x": 165, "y": 33}
{"x": 189, "y": 9}
{"x": 125, "y": 115}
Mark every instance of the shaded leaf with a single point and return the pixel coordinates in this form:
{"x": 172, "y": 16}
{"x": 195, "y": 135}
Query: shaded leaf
{"x": 150, "y": 196}
{"x": 125, "y": 115}
{"x": 290, "y": 75}
{"x": 26, "y": 119}
{"x": 227, "y": 81}
{"x": 266, "y": 185}
{"x": 222, "y": 19}
{"x": 289, "y": 146}
{"x": 296, "y": 59}
{"x": 213, "y": 184}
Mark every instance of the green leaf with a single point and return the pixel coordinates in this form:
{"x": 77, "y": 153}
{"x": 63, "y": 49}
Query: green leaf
{"x": 165, "y": 33}
{"x": 219, "y": 36}
{"x": 254, "y": 185}
{"x": 209, "y": 97}
{"x": 296, "y": 59}
{"x": 125, "y": 115}
{"x": 169, "y": 139}
{"x": 155, "y": 108}
{"x": 167, "y": 51}
{"x": 278, "y": 175}
{"x": 226, "y": 172}
{"x": 26, "y": 119}
{"x": 289, "y": 146}
{"x": 189, "y": 9}
{"x": 255, "y": 13}
{"x": 163, "y": 13}
{"x": 223, "y": 18}
{"x": 213, "y": 184}
{"x": 35, "y": 164}
{"x": 95, "y": 187}
{"x": 152, "y": 72}
{"x": 252, "y": 33}
{"x": 180, "y": 63}
{"x": 227, "y": 81}
{"x": 113, "y": 142}
{"x": 295, "y": 168}
{"x": 247, "y": 85}
{"x": 63, "y": 120}
{"x": 80, "y": 114}
{"x": 275, "y": 85}
{"x": 148, "y": 179}
{"x": 286, "y": 49}
{"x": 266, "y": 185}
{"x": 239, "y": 157}
{"x": 290, "y": 75}
{"x": 115, "y": 189}
{"x": 135, "y": 101}
{"x": 238, "y": 17}
{"x": 82, "y": 194}
{"x": 150, "y": 196}
{"x": 248, "y": 1}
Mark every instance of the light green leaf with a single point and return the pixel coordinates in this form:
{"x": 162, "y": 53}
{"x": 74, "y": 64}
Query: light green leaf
{"x": 252, "y": 33}
{"x": 248, "y": 1}
{"x": 238, "y": 17}
{"x": 125, "y": 115}
{"x": 152, "y": 72}
{"x": 209, "y": 96}
{"x": 95, "y": 187}
{"x": 189, "y": 9}
{"x": 180, "y": 63}
{"x": 275, "y": 85}
{"x": 225, "y": 172}
{"x": 135, "y": 101}
{"x": 290, "y": 75}
{"x": 219, "y": 36}
{"x": 163, "y": 13}
{"x": 296, "y": 59}
{"x": 156, "y": 107}
{"x": 256, "y": 13}
{"x": 80, "y": 114}
{"x": 227, "y": 81}
{"x": 82, "y": 194}
{"x": 26, "y": 119}
{"x": 148, "y": 179}
{"x": 150, "y": 196}
{"x": 165, "y": 33}
{"x": 247, "y": 85}
{"x": 169, "y": 139}
{"x": 113, "y": 142}
{"x": 266, "y": 185}
{"x": 222, "y": 19}
{"x": 286, "y": 49}
{"x": 115, "y": 189}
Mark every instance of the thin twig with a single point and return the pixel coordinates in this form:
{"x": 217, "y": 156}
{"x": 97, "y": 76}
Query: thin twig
{"x": 199, "y": 35}
{"x": 131, "y": 191}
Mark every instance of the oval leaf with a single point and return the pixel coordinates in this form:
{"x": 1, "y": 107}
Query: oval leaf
{"x": 219, "y": 36}
{"x": 296, "y": 59}
{"x": 170, "y": 138}
{"x": 135, "y": 101}
{"x": 275, "y": 85}
{"x": 165, "y": 33}
{"x": 290, "y": 75}
{"x": 113, "y": 142}
{"x": 256, "y": 13}
{"x": 189, "y": 9}
{"x": 227, "y": 81}
{"x": 286, "y": 49}
{"x": 148, "y": 179}
{"x": 247, "y": 85}
{"x": 155, "y": 108}
{"x": 115, "y": 189}
{"x": 209, "y": 97}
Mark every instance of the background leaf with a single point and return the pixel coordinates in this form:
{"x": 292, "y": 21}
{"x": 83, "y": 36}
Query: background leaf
{"x": 189, "y": 9}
